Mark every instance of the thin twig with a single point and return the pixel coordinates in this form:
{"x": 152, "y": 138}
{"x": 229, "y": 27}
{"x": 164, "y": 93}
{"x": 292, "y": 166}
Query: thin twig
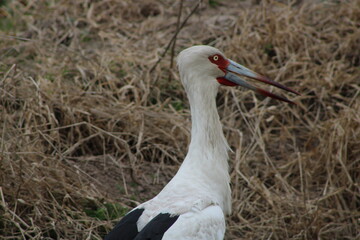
{"x": 175, "y": 35}
{"x": 174, "y": 42}
{"x": 15, "y": 37}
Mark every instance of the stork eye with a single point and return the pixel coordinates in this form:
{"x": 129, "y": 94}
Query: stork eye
{"x": 219, "y": 60}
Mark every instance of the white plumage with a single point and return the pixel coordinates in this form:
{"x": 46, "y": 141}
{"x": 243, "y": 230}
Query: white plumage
{"x": 194, "y": 203}
{"x": 200, "y": 191}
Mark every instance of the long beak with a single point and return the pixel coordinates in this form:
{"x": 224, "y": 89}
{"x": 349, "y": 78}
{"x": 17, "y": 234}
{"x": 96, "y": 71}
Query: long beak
{"x": 233, "y": 70}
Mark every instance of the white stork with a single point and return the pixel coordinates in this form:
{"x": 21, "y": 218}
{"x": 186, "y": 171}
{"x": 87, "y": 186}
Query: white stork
{"x": 193, "y": 204}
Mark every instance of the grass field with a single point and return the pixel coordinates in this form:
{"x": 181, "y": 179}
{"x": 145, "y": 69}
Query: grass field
{"x": 94, "y": 119}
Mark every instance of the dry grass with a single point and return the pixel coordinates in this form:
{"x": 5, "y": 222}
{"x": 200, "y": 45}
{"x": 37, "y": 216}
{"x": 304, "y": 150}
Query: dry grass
{"x": 88, "y": 131}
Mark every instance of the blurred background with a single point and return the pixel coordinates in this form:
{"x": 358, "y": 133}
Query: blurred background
{"x": 94, "y": 119}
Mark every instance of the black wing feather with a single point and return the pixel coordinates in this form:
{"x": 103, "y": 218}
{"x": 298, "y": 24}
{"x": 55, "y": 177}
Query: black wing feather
{"x": 126, "y": 229}
{"x": 156, "y": 228}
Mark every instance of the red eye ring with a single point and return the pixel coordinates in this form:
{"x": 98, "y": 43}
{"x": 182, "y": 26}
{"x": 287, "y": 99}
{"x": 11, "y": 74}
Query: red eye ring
{"x": 220, "y": 61}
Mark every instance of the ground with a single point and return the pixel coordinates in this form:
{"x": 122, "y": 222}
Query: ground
{"x": 94, "y": 119}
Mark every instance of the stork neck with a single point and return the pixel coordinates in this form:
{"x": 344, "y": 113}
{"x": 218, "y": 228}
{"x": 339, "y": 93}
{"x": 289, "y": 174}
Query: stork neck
{"x": 207, "y": 139}
{"x": 206, "y": 163}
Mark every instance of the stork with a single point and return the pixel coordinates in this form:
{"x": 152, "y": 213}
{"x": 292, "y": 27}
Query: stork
{"x": 193, "y": 205}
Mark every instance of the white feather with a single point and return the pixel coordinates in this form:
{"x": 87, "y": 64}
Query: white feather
{"x": 206, "y": 224}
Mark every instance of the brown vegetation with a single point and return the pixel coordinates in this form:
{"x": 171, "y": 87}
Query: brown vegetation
{"x": 88, "y": 130}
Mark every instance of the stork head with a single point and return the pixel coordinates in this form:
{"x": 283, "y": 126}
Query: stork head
{"x": 207, "y": 66}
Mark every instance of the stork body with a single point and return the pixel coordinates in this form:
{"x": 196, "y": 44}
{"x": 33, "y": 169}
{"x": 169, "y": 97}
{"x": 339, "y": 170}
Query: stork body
{"x": 193, "y": 205}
